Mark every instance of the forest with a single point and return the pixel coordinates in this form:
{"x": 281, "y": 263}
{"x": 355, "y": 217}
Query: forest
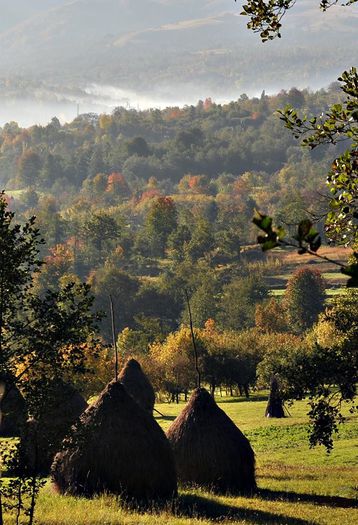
{"x": 135, "y": 279}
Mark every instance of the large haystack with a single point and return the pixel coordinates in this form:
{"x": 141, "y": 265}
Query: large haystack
{"x": 275, "y": 404}
{"x": 13, "y": 413}
{"x": 138, "y": 385}
{"x": 47, "y": 433}
{"x": 209, "y": 449}
{"x": 116, "y": 447}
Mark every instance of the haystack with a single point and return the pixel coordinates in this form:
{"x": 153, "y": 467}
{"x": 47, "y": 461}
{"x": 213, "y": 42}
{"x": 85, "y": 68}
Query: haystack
{"x": 138, "y": 385}
{"x": 47, "y": 433}
{"x": 209, "y": 449}
{"x": 275, "y": 404}
{"x": 116, "y": 447}
{"x": 12, "y": 410}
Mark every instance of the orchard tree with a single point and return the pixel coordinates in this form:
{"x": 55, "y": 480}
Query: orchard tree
{"x": 270, "y": 316}
{"x": 323, "y": 367}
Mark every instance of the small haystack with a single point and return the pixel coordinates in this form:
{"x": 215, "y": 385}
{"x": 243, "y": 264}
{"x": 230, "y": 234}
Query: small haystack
{"x": 116, "y": 447}
{"x": 13, "y": 413}
{"x": 209, "y": 449}
{"x": 138, "y": 385}
{"x": 47, "y": 433}
{"x": 275, "y": 404}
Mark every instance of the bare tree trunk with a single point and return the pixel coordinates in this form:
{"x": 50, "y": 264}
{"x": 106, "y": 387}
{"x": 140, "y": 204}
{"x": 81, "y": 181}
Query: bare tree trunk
{"x": 114, "y": 338}
{"x": 1, "y": 516}
{"x": 194, "y": 342}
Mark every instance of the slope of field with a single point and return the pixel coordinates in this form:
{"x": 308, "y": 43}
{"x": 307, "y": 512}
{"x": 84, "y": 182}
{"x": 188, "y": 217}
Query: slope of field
{"x": 297, "y": 486}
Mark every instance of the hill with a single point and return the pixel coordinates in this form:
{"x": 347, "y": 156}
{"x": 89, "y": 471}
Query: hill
{"x": 165, "y": 46}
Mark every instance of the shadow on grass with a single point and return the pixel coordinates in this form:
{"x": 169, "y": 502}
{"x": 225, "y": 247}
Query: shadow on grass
{"x": 328, "y": 501}
{"x": 193, "y": 506}
{"x": 163, "y": 417}
{"x": 242, "y": 399}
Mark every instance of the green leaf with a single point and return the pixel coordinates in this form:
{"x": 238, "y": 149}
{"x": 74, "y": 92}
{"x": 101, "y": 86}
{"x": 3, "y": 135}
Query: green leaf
{"x": 304, "y": 229}
{"x": 264, "y": 222}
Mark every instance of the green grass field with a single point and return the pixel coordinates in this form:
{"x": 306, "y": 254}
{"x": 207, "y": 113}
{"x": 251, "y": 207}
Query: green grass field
{"x": 297, "y": 486}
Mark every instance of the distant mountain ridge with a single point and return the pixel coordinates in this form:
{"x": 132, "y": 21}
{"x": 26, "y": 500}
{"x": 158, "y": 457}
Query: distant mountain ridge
{"x": 136, "y": 43}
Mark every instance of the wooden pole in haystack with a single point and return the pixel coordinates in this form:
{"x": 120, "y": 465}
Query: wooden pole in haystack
{"x": 114, "y": 339}
{"x": 193, "y": 340}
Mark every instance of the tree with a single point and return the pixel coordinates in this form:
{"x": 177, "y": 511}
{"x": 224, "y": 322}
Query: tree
{"x": 160, "y": 222}
{"x": 266, "y": 15}
{"x": 138, "y": 146}
{"x": 304, "y": 298}
{"x": 33, "y": 333}
{"x": 109, "y": 280}
{"x": 339, "y": 122}
{"x": 175, "y": 360}
{"x": 29, "y": 167}
{"x": 324, "y": 369}
{"x": 100, "y": 228}
{"x": 239, "y": 299}
{"x": 270, "y": 316}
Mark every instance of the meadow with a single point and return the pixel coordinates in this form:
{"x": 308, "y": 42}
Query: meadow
{"x": 296, "y": 485}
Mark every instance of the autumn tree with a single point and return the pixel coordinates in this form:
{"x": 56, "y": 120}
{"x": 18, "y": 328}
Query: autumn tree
{"x": 174, "y": 358}
{"x": 270, "y": 316}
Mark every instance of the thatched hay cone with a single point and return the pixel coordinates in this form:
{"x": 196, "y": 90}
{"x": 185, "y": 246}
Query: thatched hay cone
{"x": 138, "y": 385}
{"x": 116, "y": 447}
{"x": 275, "y": 404}
{"x": 44, "y": 436}
{"x": 209, "y": 449}
{"x": 13, "y": 412}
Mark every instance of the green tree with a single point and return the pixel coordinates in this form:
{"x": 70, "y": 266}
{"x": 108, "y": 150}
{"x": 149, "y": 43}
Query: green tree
{"x": 322, "y": 367}
{"x": 304, "y": 298}
{"x": 98, "y": 229}
{"x": 339, "y": 123}
{"x": 160, "y": 222}
{"x": 239, "y": 300}
{"x": 33, "y": 333}
{"x": 29, "y": 167}
{"x": 111, "y": 281}
{"x": 137, "y": 146}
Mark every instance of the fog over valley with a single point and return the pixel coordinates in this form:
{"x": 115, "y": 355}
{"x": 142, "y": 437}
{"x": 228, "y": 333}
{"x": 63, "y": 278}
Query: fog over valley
{"x": 59, "y": 57}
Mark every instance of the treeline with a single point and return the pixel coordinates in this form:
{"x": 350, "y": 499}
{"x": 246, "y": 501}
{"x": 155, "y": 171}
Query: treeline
{"x": 207, "y": 139}
{"x": 242, "y": 360}
{"x": 145, "y": 205}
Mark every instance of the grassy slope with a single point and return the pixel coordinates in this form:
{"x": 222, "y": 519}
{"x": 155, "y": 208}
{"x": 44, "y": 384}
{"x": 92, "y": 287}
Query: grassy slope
{"x": 297, "y": 486}
{"x": 336, "y": 281}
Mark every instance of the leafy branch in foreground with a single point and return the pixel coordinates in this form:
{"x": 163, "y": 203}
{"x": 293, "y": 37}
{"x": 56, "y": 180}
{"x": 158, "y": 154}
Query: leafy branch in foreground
{"x": 306, "y": 240}
{"x": 266, "y": 16}
{"x": 339, "y": 123}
